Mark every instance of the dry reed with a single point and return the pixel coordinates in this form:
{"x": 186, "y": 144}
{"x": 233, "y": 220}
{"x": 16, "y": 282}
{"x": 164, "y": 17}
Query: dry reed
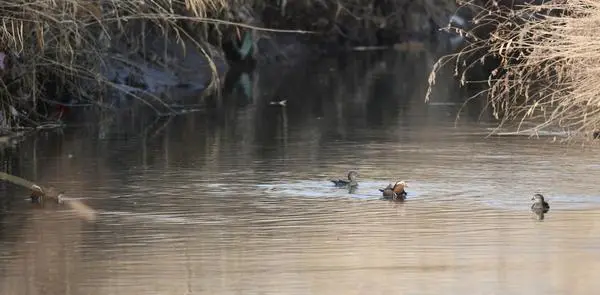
{"x": 548, "y": 64}
{"x": 66, "y": 42}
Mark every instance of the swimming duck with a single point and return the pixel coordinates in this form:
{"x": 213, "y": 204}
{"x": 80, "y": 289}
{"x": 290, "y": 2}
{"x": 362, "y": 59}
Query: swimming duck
{"x": 395, "y": 192}
{"x": 351, "y": 182}
{"x": 38, "y": 195}
{"x": 539, "y": 207}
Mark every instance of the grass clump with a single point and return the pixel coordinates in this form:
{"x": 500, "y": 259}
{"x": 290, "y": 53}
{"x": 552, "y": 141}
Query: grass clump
{"x": 547, "y": 63}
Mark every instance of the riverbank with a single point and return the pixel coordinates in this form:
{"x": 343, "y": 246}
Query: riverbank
{"x": 59, "y": 57}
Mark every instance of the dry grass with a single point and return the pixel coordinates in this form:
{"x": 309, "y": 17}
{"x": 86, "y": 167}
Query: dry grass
{"x": 66, "y": 41}
{"x": 549, "y": 58}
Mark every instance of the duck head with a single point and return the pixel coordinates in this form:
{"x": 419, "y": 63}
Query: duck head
{"x": 399, "y": 186}
{"x": 538, "y": 198}
{"x": 352, "y": 175}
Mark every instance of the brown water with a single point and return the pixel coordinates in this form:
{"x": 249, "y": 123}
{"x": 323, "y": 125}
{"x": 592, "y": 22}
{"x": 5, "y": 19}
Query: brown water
{"x": 239, "y": 202}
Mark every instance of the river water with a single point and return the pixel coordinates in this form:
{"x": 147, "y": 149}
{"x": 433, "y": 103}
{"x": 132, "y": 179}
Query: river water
{"x": 238, "y": 200}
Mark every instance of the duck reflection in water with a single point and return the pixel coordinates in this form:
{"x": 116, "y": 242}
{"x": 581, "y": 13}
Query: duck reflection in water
{"x": 352, "y": 189}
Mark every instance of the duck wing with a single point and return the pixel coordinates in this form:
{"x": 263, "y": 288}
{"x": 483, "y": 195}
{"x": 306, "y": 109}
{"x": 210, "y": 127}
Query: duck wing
{"x": 389, "y": 187}
{"x": 388, "y": 192}
{"x": 340, "y": 182}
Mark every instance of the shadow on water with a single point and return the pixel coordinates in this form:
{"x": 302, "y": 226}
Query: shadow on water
{"x": 238, "y": 199}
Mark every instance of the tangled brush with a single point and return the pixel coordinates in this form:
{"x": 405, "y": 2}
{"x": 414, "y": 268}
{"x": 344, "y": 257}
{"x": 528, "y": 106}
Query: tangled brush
{"x": 548, "y": 63}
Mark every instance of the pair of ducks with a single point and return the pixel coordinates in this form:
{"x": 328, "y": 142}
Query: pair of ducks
{"x": 394, "y": 192}
{"x": 397, "y": 192}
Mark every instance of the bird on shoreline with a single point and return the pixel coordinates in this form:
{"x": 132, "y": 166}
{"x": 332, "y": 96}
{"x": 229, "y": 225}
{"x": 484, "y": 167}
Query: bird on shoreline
{"x": 539, "y": 206}
{"x": 395, "y": 192}
{"x": 351, "y": 182}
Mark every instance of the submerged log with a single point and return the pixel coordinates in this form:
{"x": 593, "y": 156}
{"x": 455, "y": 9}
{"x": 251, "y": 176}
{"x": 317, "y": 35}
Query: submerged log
{"x": 40, "y": 194}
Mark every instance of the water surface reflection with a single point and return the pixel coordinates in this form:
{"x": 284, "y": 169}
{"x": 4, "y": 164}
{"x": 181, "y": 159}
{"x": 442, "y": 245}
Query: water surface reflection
{"x": 239, "y": 201}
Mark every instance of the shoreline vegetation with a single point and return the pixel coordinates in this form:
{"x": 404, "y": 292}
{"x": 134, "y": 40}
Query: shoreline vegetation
{"x": 541, "y": 65}
{"x": 57, "y": 57}
{"x": 60, "y": 56}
